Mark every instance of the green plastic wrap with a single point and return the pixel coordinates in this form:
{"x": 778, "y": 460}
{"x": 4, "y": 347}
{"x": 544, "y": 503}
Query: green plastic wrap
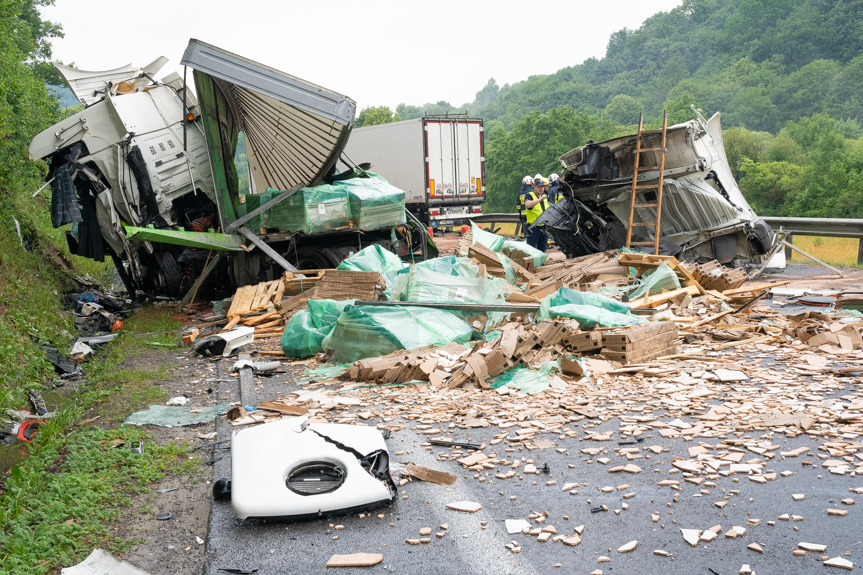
{"x": 450, "y": 265}
{"x": 527, "y": 380}
{"x": 323, "y": 372}
{"x": 367, "y": 331}
{"x": 318, "y": 209}
{"x": 492, "y": 241}
{"x": 588, "y": 309}
{"x": 424, "y": 285}
{"x": 253, "y": 202}
{"x": 375, "y": 259}
{"x": 305, "y": 333}
{"x": 518, "y": 250}
{"x": 509, "y": 271}
{"x": 659, "y": 280}
{"x": 374, "y": 202}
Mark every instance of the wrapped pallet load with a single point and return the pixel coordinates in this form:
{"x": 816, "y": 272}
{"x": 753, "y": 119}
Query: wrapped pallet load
{"x": 374, "y": 202}
{"x": 310, "y": 210}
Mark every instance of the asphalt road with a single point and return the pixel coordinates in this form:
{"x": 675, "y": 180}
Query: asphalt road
{"x": 475, "y": 542}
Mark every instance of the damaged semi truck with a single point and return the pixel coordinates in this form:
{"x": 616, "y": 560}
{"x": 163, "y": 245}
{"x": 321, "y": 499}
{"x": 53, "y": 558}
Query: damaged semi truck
{"x": 703, "y": 214}
{"x": 146, "y": 175}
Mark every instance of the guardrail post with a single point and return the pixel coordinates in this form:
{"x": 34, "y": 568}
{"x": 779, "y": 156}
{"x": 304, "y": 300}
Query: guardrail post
{"x": 860, "y": 252}
{"x": 788, "y": 251}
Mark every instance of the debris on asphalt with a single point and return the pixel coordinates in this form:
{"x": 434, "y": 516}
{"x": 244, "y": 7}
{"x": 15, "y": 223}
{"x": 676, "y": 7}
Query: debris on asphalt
{"x": 700, "y": 356}
{"x": 355, "y": 560}
{"x": 99, "y": 562}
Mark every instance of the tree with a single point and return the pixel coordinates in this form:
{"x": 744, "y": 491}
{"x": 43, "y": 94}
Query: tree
{"x": 375, "y": 116}
{"x": 487, "y": 94}
{"x": 742, "y": 144}
{"x": 406, "y": 112}
{"x": 622, "y": 110}
{"x": 534, "y": 145}
{"x": 26, "y": 108}
{"x": 770, "y": 187}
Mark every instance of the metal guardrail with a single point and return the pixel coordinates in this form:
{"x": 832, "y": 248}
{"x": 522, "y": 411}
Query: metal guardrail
{"x": 824, "y": 227}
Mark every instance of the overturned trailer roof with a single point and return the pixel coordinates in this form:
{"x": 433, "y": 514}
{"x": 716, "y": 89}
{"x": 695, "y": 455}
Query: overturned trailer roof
{"x": 294, "y": 130}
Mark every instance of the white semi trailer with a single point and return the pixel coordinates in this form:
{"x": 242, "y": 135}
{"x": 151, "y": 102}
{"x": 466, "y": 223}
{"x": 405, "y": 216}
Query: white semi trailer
{"x": 438, "y": 160}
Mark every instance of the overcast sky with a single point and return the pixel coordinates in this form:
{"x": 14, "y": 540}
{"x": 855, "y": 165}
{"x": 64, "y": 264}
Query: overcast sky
{"x": 378, "y": 52}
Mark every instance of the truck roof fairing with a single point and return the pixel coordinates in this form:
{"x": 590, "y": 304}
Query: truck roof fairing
{"x": 89, "y": 86}
{"x": 294, "y": 130}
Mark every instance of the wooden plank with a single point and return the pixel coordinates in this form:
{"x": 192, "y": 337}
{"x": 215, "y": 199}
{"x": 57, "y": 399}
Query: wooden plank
{"x": 355, "y": 560}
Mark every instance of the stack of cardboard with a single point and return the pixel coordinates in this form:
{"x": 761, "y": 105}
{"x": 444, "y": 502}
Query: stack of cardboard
{"x": 715, "y": 276}
{"x": 342, "y": 285}
{"x": 640, "y": 343}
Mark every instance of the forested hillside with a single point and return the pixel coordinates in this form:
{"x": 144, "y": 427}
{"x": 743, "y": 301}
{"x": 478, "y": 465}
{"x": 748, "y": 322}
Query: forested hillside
{"x": 787, "y": 78}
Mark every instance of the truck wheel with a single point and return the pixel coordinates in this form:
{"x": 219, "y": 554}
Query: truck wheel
{"x": 309, "y": 259}
{"x": 168, "y": 275}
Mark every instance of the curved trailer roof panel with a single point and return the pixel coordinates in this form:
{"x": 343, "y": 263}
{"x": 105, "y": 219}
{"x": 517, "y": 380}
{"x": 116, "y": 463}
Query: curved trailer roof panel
{"x": 294, "y": 130}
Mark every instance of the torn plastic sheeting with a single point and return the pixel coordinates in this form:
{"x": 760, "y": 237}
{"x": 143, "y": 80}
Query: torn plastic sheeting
{"x": 324, "y": 372}
{"x": 509, "y": 271}
{"x": 372, "y": 331}
{"x": 100, "y": 562}
{"x": 449, "y": 265}
{"x": 171, "y": 416}
{"x": 588, "y": 309}
{"x": 375, "y": 259}
{"x": 492, "y": 241}
{"x": 305, "y": 332}
{"x": 423, "y": 285}
{"x": 527, "y": 380}
{"x": 659, "y": 280}
{"x": 517, "y": 250}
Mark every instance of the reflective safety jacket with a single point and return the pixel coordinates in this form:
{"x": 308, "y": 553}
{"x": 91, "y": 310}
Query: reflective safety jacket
{"x": 525, "y": 189}
{"x": 537, "y": 209}
{"x": 555, "y": 193}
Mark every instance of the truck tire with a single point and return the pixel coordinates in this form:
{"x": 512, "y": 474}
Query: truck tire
{"x": 167, "y": 277}
{"x": 309, "y": 259}
{"x": 760, "y": 238}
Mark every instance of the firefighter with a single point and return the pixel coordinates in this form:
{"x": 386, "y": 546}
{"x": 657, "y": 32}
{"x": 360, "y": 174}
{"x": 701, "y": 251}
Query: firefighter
{"x": 535, "y": 203}
{"x": 555, "y": 191}
{"x": 526, "y": 187}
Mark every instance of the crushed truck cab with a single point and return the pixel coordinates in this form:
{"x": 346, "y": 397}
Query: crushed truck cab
{"x": 146, "y": 175}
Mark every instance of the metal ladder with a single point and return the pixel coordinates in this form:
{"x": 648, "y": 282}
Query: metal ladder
{"x": 636, "y": 187}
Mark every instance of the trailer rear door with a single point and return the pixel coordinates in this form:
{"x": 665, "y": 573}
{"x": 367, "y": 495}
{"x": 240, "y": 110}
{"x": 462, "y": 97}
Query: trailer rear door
{"x": 454, "y": 152}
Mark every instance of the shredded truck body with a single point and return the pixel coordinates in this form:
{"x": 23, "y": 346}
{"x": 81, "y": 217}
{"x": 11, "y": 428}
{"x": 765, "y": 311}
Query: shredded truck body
{"x": 146, "y": 171}
{"x": 704, "y": 215}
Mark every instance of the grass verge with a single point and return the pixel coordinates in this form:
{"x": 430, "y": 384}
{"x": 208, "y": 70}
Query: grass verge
{"x": 77, "y": 478}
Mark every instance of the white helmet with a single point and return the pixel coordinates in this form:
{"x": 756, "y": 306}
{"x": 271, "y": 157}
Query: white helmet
{"x": 537, "y": 177}
{"x": 527, "y": 180}
{"x": 553, "y": 178}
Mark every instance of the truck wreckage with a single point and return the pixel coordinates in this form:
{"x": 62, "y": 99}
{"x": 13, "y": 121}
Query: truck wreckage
{"x": 704, "y": 215}
{"x": 146, "y": 174}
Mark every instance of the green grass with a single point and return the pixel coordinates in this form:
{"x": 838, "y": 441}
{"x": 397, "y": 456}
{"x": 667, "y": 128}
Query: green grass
{"x": 835, "y": 251}
{"x": 59, "y": 500}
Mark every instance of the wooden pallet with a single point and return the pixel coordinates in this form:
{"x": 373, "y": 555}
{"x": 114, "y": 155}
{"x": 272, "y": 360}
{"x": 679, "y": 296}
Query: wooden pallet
{"x": 255, "y": 298}
{"x": 295, "y": 285}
